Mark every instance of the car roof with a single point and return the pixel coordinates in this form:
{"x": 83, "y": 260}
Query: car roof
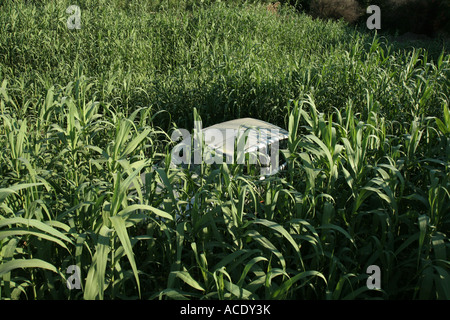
{"x": 232, "y": 128}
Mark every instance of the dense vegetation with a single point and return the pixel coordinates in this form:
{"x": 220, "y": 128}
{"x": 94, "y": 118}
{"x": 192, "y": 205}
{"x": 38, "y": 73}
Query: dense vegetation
{"x": 83, "y": 113}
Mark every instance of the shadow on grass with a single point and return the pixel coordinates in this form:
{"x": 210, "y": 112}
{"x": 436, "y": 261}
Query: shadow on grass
{"x": 410, "y": 41}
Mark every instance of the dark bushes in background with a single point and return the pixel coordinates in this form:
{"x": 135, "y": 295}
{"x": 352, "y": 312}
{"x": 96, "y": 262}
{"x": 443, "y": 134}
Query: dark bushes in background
{"x": 429, "y": 17}
{"x": 349, "y": 10}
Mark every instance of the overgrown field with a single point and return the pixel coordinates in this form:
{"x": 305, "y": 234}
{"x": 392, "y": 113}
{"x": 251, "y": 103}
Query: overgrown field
{"x": 85, "y": 112}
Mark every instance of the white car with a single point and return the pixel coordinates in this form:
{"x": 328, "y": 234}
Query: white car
{"x": 246, "y": 141}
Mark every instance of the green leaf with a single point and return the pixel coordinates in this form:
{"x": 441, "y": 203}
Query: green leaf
{"x": 38, "y": 225}
{"x": 285, "y": 286}
{"x": 278, "y": 228}
{"x": 187, "y": 278}
{"x": 338, "y": 228}
{"x": 426, "y": 285}
{"x": 173, "y": 294}
{"x": 438, "y": 242}
{"x": 118, "y": 224}
{"x": 230, "y": 258}
{"x": 255, "y": 235}
{"x": 176, "y": 266}
{"x": 248, "y": 267}
{"x": 239, "y": 292}
{"x": 5, "y": 192}
{"x": 133, "y": 144}
{"x": 95, "y": 280}
{"x": 442, "y": 282}
{"x": 143, "y": 207}
{"x": 20, "y": 232}
{"x": 423, "y": 223}
{"x": 324, "y": 149}
{"x": 442, "y": 126}
{"x": 27, "y": 263}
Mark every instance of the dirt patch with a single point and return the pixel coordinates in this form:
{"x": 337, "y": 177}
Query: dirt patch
{"x": 273, "y": 7}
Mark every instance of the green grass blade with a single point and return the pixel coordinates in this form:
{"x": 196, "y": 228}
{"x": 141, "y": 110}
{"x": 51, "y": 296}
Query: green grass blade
{"x": 278, "y": 228}
{"x": 27, "y": 263}
{"x": 286, "y": 285}
{"x": 38, "y": 225}
{"x": 118, "y": 224}
{"x": 187, "y": 278}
